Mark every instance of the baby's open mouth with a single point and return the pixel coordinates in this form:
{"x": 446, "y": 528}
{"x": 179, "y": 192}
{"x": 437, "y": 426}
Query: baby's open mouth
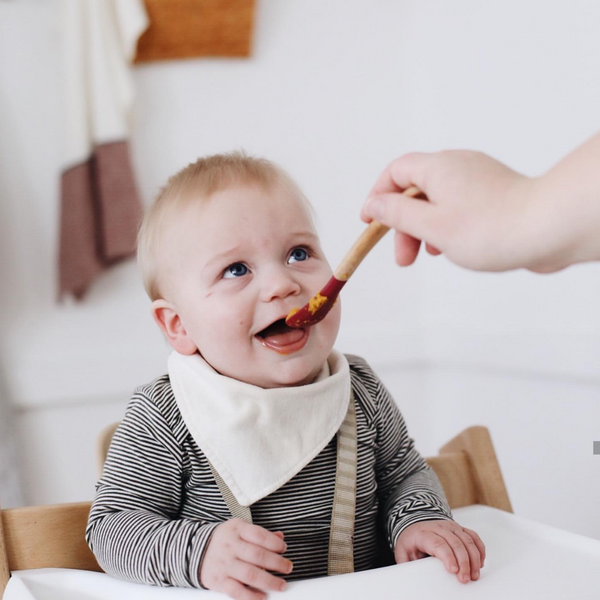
{"x": 277, "y": 328}
{"x": 278, "y": 336}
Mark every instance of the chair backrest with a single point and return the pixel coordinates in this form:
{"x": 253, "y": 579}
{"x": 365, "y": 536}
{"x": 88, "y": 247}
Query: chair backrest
{"x": 53, "y": 536}
{"x": 468, "y": 470}
{"x": 102, "y": 444}
{"x": 37, "y": 537}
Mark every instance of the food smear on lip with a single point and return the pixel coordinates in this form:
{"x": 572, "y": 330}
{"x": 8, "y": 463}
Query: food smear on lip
{"x": 283, "y": 339}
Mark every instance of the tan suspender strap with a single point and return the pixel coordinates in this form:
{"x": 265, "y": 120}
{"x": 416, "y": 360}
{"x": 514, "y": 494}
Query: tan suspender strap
{"x": 237, "y": 510}
{"x": 341, "y": 535}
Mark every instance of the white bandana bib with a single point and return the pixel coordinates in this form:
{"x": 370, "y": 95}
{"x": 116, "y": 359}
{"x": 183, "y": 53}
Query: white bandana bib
{"x": 258, "y": 439}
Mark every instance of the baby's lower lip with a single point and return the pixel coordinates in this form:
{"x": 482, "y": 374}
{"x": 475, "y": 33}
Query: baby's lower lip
{"x": 288, "y": 343}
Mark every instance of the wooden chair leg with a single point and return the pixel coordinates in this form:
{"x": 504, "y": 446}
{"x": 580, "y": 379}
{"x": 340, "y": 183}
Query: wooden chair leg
{"x": 4, "y": 570}
{"x": 476, "y": 443}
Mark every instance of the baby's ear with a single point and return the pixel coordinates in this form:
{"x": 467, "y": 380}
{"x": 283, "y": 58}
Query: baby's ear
{"x": 167, "y": 318}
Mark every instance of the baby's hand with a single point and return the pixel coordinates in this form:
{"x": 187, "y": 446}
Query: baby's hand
{"x": 460, "y": 549}
{"x": 238, "y": 557}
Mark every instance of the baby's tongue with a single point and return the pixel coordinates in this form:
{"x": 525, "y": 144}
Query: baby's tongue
{"x": 280, "y": 334}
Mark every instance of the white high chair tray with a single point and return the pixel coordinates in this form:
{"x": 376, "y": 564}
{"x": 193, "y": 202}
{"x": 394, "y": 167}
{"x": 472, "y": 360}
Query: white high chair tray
{"x": 525, "y": 560}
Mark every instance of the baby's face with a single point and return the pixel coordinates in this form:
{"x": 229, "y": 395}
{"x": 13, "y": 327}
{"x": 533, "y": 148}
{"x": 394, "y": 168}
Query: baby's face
{"x": 239, "y": 262}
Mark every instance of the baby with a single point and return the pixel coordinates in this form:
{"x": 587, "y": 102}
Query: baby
{"x": 264, "y": 455}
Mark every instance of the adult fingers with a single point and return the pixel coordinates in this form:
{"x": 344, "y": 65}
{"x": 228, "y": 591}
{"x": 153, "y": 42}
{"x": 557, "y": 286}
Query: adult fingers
{"x": 432, "y": 250}
{"x": 408, "y": 215}
{"x": 256, "y": 577}
{"x": 403, "y": 172}
{"x": 406, "y": 249}
{"x": 260, "y": 557}
{"x": 260, "y": 536}
{"x": 236, "y": 590}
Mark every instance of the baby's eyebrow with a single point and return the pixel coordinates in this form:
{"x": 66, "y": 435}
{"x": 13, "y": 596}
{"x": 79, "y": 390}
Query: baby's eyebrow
{"x": 305, "y": 234}
{"x": 223, "y": 256}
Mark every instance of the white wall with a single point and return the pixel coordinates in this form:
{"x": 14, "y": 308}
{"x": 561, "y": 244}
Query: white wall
{"x": 333, "y": 92}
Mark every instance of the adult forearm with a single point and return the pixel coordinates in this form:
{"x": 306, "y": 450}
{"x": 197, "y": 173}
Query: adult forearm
{"x": 564, "y": 213}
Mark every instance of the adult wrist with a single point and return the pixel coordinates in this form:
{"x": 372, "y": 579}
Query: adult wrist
{"x": 564, "y": 223}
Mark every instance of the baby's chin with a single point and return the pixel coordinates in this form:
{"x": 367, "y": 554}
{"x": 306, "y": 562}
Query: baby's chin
{"x": 293, "y": 371}
{"x": 286, "y": 377}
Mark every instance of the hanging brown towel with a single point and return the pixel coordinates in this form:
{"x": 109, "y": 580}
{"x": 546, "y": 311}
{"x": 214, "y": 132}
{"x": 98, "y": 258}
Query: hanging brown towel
{"x": 100, "y": 215}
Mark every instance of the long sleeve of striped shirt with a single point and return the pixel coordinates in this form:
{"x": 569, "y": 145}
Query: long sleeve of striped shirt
{"x": 157, "y": 502}
{"x": 408, "y": 489}
{"x": 135, "y": 529}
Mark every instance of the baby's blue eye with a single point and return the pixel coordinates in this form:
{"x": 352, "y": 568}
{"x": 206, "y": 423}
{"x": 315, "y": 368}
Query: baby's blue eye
{"x": 235, "y": 270}
{"x": 297, "y": 255}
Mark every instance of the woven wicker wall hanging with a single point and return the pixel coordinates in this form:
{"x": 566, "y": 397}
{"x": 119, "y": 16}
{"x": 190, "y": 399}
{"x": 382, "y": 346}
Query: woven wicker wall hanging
{"x": 191, "y": 28}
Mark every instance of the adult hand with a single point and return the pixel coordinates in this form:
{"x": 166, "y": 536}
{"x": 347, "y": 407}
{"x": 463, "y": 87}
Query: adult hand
{"x": 484, "y": 216}
{"x": 238, "y": 557}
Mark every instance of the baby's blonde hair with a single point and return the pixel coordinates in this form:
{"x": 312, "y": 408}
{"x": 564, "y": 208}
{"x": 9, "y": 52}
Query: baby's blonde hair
{"x": 197, "y": 182}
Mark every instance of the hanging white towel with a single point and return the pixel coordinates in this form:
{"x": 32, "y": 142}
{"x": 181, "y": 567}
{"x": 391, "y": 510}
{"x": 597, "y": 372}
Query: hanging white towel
{"x": 100, "y": 207}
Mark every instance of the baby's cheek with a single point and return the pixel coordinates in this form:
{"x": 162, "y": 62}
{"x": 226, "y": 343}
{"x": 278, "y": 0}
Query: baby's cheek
{"x": 332, "y": 321}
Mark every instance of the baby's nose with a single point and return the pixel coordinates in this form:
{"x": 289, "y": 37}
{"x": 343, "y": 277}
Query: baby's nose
{"x": 279, "y": 285}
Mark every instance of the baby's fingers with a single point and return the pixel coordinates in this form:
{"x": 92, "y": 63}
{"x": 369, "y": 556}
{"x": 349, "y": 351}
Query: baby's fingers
{"x": 475, "y": 557}
{"x": 256, "y": 577}
{"x": 234, "y": 589}
{"x": 435, "y": 545}
{"x": 478, "y": 542}
{"x": 261, "y": 557}
{"x": 462, "y": 554}
{"x": 254, "y": 534}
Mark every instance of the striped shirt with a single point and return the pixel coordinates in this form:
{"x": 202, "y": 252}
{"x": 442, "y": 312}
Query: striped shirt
{"x": 157, "y": 502}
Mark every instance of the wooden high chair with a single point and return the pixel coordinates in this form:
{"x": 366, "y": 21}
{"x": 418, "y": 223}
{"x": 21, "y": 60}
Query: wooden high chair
{"x": 53, "y": 536}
